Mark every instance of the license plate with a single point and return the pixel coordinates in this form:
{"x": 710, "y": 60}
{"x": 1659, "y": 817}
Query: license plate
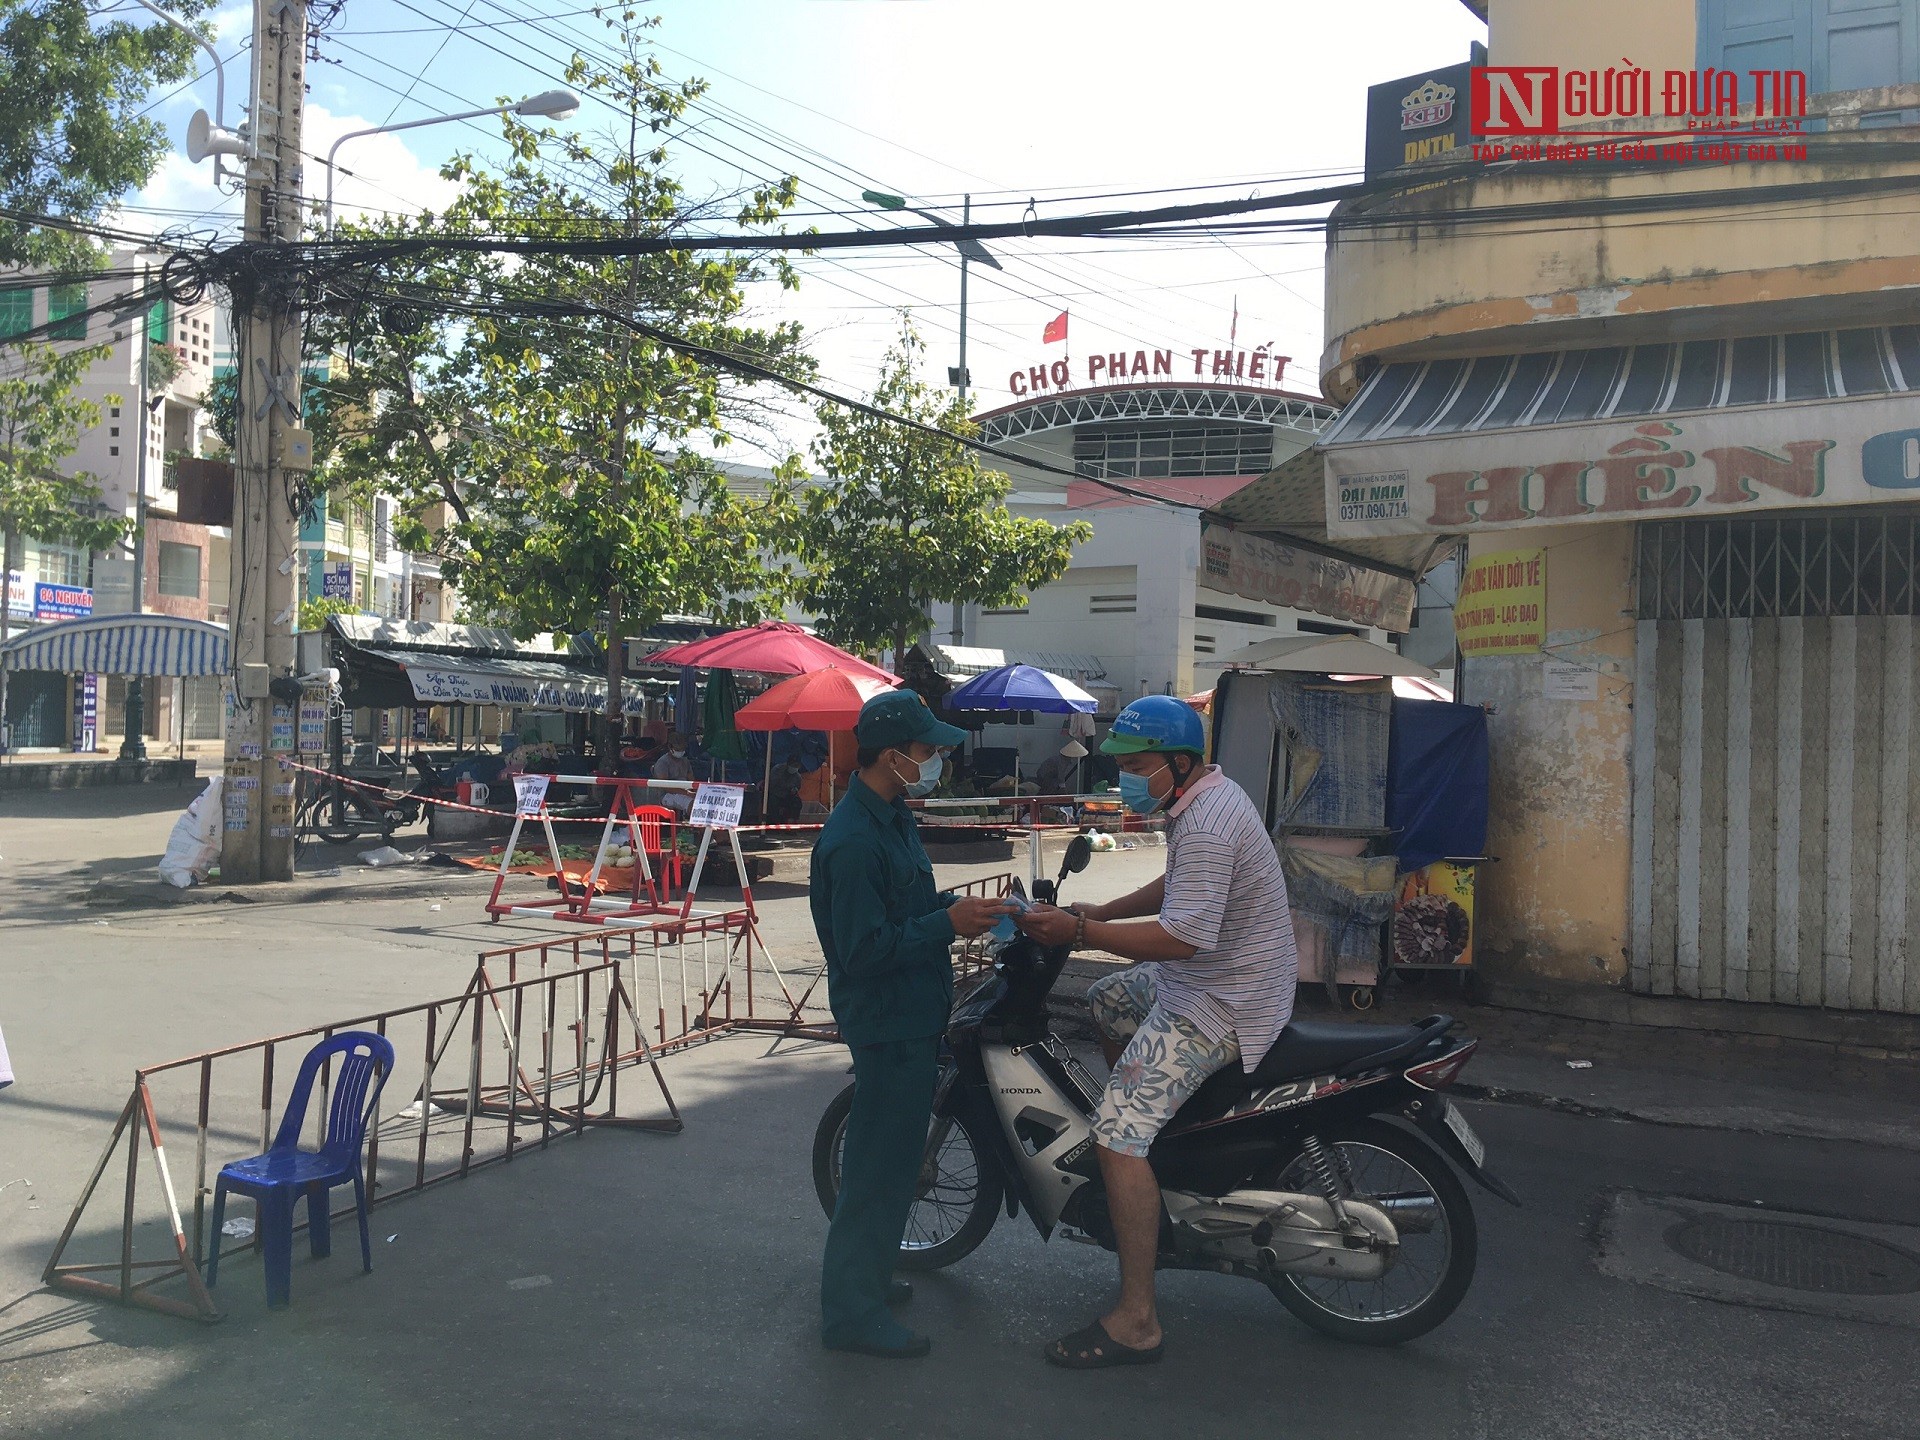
{"x": 1463, "y": 1132}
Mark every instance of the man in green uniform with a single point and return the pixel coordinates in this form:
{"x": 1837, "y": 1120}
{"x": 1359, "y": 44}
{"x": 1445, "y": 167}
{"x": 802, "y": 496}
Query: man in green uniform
{"x": 887, "y": 933}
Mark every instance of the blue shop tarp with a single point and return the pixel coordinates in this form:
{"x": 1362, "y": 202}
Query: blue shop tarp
{"x": 1437, "y": 781}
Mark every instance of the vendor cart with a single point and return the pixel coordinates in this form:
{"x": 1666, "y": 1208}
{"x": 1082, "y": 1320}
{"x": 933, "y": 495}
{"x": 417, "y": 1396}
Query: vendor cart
{"x": 1363, "y": 791}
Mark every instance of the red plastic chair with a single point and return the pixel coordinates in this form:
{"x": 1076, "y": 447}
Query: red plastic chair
{"x": 660, "y": 838}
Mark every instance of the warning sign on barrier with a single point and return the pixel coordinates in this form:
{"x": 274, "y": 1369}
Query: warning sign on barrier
{"x": 718, "y": 807}
{"x": 529, "y": 793}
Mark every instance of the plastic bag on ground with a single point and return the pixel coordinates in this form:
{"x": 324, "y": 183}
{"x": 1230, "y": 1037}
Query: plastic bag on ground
{"x": 194, "y": 845}
{"x": 385, "y": 855}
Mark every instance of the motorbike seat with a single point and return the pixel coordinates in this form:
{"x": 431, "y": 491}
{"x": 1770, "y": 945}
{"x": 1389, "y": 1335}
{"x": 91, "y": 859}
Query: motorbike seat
{"x": 1304, "y": 1049}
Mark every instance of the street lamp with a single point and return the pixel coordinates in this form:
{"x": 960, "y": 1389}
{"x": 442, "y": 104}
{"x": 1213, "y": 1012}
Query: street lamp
{"x": 970, "y": 250}
{"x": 548, "y": 105}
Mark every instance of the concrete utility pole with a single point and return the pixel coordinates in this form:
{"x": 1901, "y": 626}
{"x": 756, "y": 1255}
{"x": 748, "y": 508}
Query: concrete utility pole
{"x": 262, "y": 619}
{"x": 133, "y": 742}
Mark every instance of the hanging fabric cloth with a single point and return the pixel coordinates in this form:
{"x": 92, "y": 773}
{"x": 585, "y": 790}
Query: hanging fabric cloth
{"x": 717, "y": 734}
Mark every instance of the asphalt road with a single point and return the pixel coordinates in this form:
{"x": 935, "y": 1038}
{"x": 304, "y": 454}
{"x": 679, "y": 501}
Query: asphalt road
{"x": 624, "y": 1283}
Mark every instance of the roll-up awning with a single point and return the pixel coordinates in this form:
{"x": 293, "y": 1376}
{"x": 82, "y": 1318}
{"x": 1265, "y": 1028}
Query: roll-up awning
{"x": 121, "y": 645}
{"x": 524, "y": 684}
{"x": 1623, "y": 432}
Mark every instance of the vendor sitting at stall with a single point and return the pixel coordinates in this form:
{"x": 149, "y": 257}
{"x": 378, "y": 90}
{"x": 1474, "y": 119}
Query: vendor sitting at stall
{"x": 637, "y": 755}
{"x": 783, "y": 797}
{"x": 674, "y": 765}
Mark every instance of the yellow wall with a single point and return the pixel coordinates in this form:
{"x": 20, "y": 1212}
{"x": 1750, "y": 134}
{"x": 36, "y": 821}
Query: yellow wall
{"x": 1451, "y": 290}
{"x": 1556, "y": 904}
{"x": 1655, "y": 35}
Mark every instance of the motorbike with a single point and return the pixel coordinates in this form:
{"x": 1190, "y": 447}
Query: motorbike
{"x": 339, "y": 811}
{"x": 1327, "y": 1175}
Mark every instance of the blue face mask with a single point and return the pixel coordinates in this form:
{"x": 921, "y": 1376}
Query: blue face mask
{"x": 1136, "y": 794}
{"x": 931, "y": 769}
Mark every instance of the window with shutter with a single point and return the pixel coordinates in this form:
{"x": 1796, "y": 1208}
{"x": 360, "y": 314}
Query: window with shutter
{"x": 1840, "y": 44}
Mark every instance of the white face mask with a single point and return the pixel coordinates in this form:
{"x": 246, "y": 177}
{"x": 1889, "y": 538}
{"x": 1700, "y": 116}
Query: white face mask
{"x": 929, "y": 773}
{"x": 678, "y": 754}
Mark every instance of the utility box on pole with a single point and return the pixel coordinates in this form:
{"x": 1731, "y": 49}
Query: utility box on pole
{"x": 260, "y": 778}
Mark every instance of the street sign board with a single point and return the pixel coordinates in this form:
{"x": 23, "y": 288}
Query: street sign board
{"x": 718, "y": 807}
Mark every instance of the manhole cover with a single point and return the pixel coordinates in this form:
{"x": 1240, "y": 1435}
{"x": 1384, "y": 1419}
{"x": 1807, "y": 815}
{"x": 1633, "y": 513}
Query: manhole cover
{"x": 1796, "y": 1257}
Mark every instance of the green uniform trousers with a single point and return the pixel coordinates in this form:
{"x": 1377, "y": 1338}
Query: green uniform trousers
{"x": 879, "y": 1172}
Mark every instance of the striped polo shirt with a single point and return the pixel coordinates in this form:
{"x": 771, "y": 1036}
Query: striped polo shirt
{"x": 1227, "y": 898}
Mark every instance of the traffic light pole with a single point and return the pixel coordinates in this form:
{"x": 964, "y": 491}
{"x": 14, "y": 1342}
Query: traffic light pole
{"x": 257, "y": 828}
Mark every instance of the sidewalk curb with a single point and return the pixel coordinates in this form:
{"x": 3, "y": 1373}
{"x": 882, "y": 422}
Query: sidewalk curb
{"x": 357, "y": 882}
{"x": 1855, "y": 1031}
{"x": 1737, "y": 1120}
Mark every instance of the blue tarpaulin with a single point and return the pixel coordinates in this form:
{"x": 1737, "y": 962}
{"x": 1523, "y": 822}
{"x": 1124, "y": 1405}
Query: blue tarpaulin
{"x": 1437, "y": 781}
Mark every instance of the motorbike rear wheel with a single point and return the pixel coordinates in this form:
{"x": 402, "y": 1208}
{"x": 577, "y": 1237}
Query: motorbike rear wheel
{"x": 1433, "y": 1268}
{"x": 958, "y": 1197}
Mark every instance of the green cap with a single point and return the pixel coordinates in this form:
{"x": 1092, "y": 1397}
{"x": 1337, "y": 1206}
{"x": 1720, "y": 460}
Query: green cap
{"x": 901, "y": 717}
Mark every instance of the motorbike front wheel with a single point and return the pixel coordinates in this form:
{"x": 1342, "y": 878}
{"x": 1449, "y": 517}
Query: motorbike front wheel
{"x": 1378, "y": 1162}
{"x": 955, "y": 1204}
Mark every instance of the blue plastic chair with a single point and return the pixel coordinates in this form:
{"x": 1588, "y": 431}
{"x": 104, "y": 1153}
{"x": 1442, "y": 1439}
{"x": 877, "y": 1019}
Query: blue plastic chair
{"x": 278, "y": 1178}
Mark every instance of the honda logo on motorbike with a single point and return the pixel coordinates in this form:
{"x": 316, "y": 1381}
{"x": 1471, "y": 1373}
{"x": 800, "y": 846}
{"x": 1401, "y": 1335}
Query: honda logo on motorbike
{"x": 1516, "y": 100}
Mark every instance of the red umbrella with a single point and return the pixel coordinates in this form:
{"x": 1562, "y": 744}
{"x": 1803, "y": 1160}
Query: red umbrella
{"x": 771, "y": 648}
{"x": 827, "y": 699}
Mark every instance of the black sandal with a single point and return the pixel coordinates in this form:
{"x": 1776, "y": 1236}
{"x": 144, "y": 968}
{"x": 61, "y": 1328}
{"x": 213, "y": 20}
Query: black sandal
{"x": 1093, "y": 1348}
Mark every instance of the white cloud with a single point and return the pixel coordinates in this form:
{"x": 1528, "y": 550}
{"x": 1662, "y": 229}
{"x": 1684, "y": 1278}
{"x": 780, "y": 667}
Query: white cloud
{"x": 377, "y": 174}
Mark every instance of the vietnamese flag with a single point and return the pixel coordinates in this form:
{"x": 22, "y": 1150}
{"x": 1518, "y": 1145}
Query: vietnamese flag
{"x": 1056, "y": 329}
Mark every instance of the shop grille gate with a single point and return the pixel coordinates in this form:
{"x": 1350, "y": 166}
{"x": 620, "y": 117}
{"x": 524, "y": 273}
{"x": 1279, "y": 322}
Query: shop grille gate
{"x": 1776, "y": 784}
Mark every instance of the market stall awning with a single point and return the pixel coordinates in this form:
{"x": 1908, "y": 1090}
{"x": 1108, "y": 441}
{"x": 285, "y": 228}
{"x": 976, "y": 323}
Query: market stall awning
{"x": 1088, "y": 671}
{"x": 1622, "y": 432}
{"x": 384, "y": 633}
{"x": 121, "y": 645}
{"x": 524, "y": 684}
{"x": 1322, "y": 655}
{"x": 1289, "y": 503}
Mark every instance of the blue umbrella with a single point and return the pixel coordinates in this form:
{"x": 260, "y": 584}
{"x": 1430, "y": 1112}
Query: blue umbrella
{"x": 1022, "y": 687}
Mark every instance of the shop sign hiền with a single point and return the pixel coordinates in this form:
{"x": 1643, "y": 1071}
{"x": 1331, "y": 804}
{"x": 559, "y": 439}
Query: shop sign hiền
{"x": 1701, "y": 464}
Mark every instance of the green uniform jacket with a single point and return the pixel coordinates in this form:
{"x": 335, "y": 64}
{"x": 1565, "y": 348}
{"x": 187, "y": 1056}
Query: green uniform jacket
{"x": 882, "y": 923}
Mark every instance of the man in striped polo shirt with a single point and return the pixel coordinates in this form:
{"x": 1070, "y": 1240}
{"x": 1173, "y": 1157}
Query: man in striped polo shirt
{"x": 1215, "y": 987}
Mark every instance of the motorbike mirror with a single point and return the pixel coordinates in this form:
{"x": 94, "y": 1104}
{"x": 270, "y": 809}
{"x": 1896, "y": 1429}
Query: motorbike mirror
{"x": 1079, "y": 855}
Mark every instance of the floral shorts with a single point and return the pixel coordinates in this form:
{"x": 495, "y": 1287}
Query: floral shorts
{"x": 1165, "y": 1060}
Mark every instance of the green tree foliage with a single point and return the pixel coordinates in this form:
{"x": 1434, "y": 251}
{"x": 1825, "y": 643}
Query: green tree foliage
{"x": 314, "y": 611}
{"x": 573, "y": 455}
{"x": 40, "y": 425}
{"x": 904, "y": 519}
{"x": 73, "y": 138}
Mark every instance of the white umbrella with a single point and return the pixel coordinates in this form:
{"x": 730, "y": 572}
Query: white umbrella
{"x": 1325, "y": 655}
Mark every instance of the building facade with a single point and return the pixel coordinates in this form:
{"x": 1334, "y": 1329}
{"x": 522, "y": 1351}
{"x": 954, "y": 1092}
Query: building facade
{"x": 1673, "y": 354}
{"x": 184, "y": 565}
{"x": 1181, "y": 569}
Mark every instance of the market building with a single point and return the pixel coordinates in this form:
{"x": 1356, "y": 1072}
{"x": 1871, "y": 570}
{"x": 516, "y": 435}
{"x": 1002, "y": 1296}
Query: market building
{"x": 1177, "y": 458}
{"x": 1653, "y": 350}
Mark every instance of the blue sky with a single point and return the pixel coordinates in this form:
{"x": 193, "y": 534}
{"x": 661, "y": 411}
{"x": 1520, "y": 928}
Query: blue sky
{"x": 1052, "y": 99}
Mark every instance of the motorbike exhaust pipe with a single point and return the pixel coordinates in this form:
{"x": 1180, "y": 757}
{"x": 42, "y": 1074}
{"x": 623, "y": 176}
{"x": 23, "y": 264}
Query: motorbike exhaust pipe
{"x": 1414, "y": 1214}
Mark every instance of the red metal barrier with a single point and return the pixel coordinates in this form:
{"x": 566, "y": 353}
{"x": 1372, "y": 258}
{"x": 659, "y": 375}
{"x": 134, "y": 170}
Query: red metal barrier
{"x": 510, "y": 1097}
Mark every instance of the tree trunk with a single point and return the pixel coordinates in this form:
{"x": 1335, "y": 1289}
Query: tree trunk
{"x": 7, "y": 544}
